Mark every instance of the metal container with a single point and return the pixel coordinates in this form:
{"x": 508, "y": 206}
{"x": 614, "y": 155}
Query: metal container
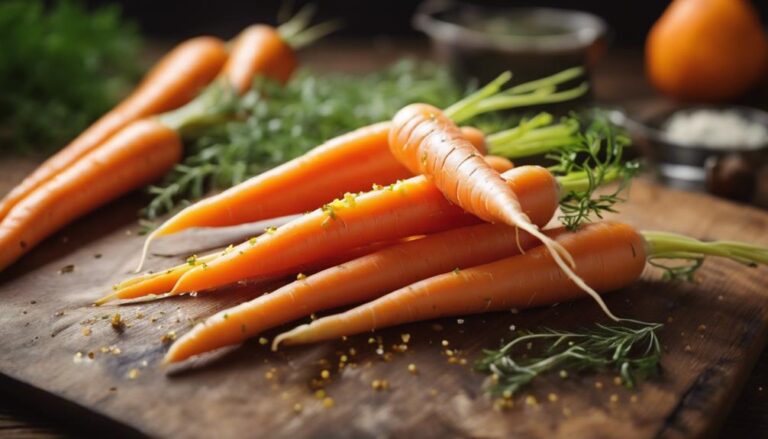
{"x": 729, "y": 171}
{"x": 535, "y": 42}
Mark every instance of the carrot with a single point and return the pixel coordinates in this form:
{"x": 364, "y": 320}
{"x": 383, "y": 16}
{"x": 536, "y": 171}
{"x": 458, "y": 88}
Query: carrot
{"x": 303, "y": 183}
{"x": 158, "y": 284}
{"x": 356, "y": 281}
{"x": 259, "y": 49}
{"x": 609, "y": 255}
{"x": 411, "y": 207}
{"x": 428, "y": 142}
{"x": 132, "y": 158}
{"x": 171, "y": 83}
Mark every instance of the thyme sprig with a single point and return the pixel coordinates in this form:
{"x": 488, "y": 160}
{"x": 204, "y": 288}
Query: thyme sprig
{"x": 631, "y": 348}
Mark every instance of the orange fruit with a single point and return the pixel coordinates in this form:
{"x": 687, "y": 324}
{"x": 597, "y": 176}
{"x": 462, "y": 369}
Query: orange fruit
{"x": 706, "y": 50}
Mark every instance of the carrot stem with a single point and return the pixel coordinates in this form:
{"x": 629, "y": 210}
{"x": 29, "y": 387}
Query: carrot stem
{"x": 665, "y": 245}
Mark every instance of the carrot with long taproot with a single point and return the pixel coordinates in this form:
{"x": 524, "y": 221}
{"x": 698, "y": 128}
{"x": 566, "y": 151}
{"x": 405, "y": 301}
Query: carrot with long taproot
{"x": 175, "y": 80}
{"x": 608, "y": 255}
{"x": 353, "y": 282}
{"x": 132, "y": 158}
{"x": 428, "y": 142}
{"x": 348, "y": 163}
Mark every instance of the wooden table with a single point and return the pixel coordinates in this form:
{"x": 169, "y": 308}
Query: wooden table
{"x": 618, "y": 80}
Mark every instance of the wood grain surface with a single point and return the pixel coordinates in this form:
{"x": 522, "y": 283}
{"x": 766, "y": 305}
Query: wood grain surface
{"x": 714, "y": 331}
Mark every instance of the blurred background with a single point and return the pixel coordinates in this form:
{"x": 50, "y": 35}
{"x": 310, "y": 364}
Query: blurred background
{"x": 629, "y": 21}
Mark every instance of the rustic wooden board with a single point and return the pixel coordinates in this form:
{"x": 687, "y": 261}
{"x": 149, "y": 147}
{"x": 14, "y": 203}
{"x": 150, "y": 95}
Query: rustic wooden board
{"x": 715, "y": 330}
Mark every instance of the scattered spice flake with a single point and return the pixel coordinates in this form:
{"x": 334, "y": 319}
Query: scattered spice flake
{"x": 168, "y": 337}
{"x": 503, "y": 404}
{"x": 371, "y": 340}
{"x": 617, "y": 381}
{"x": 192, "y": 260}
{"x": 552, "y": 397}
{"x": 298, "y": 407}
{"x": 456, "y": 271}
{"x": 263, "y": 341}
{"x": 598, "y": 385}
{"x": 86, "y": 331}
{"x": 117, "y": 322}
{"x": 97, "y": 256}
{"x": 113, "y": 389}
{"x": 460, "y": 321}
{"x": 614, "y": 398}
{"x": 531, "y": 400}
{"x": 633, "y": 399}
{"x": 33, "y": 302}
{"x": 567, "y": 412}
{"x": 58, "y": 313}
{"x": 133, "y": 374}
{"x": 328, "y": 402}
{"x": 445, "y": 343}
{"x": 270, "y": 230}
{"x": 313, "y": 316}
{"x": 352, "y": 351}
{"x": 405, "y": 337}
{"x": 320, "y": 394}
{"x": 252, "y": 241}
{"x": 688, "y": 348}
{"x": 701, "y": 328}
{"x": 67, "y": 269}
{"x": 91, "y": 355}
{"x": 412, "y": 369}
{"x": 380, "y": 385}
{"x": 563, "y": 374}
{"x": 325, "y": 374}
{"x": 301, "y": 276}
{"x": 270, "y": 374}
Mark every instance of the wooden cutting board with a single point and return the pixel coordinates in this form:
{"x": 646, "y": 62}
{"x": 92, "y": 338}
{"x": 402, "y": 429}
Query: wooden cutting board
{"x": 714, "y": 331}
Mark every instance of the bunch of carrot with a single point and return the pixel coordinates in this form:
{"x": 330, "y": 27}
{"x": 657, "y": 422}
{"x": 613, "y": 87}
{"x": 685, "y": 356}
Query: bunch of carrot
{"x": 461, "y": 237}
{"x": 140, "y": 140}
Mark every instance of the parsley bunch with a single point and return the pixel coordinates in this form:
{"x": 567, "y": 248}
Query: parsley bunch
{"x": 60, "y": 69}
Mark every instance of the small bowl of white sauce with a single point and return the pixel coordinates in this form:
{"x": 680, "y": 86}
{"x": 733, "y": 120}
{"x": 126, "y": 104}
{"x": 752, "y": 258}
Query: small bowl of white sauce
{"x": 718, "y": 149}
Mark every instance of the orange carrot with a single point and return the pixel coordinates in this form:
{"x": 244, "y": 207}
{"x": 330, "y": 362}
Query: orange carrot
{"x": 356, "y": 281}
{"x": 134, "y": 157}
{"x": 348, "y": 163}
{"x": 608, "y": 255}
{"x": 158, "y": 284}
{"x": 259, "y": 50}
{"x": 411, "y": 207}
{"x": 171, "y": 83}
{"x": 428, "y": 142}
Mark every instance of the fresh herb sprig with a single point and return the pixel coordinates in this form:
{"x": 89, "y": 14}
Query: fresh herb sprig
{"x": 631, "y": 348}
{"x": 593, "y": 160}
{"x": 61, "y": 68}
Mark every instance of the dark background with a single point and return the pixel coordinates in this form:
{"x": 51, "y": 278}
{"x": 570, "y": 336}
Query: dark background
{"x": 629, "y": 20}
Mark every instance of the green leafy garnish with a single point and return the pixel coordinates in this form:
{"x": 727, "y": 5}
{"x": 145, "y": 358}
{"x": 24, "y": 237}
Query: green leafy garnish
{"x": 593, "y": 160}
{"x": 61, "y": 68}
{"x": 630, "y": 348}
